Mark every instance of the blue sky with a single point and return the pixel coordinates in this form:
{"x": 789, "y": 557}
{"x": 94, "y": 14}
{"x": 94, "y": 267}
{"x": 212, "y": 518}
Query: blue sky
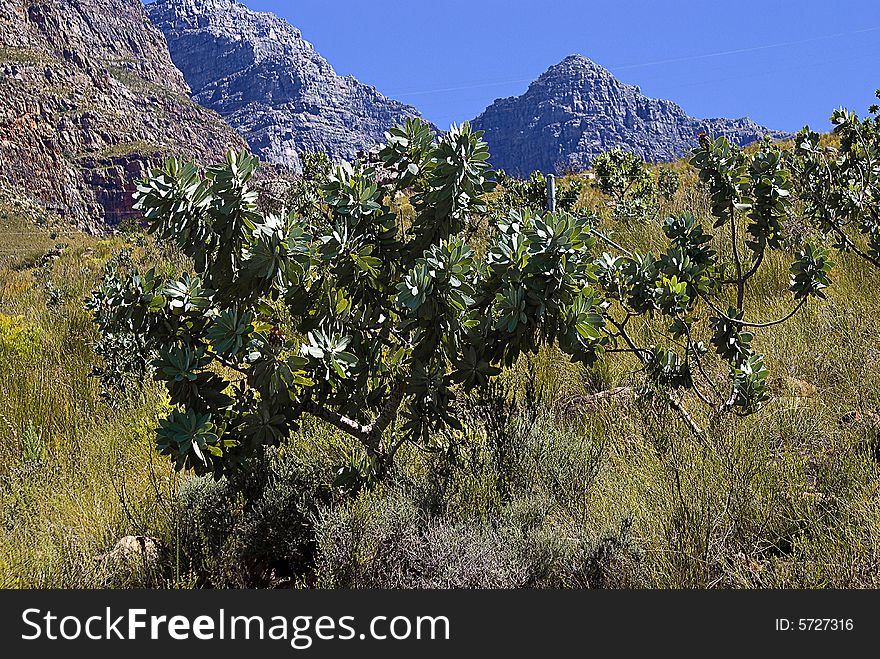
{"x": 784, "y": 63}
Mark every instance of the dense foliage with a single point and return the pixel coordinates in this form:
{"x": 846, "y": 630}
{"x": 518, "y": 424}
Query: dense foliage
{"x": 355, "y": 313}
{"x": 563, "y": 475}
{"x": 840, "y": 186}
{"x": 531, "y": 193}
{"x": 633, "y": 189}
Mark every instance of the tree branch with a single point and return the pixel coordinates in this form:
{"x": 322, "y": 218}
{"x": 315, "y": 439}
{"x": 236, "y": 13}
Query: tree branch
{"x": 370, "y": 435}
{"x": 749, "y": 274}
{"x": 388, "y": 414}
{"x": 675, "y": 404}
{"x": 851, "y": 246}
{"x": 740, "y": 281}
{"x": 608, "y": 240}
{"x": 744, "y": 323}
{"x": 685, "y": 416}
{"x": 699, "y": 360}
{"x": 338, "y": 420}
{"x": 229, "y": 364}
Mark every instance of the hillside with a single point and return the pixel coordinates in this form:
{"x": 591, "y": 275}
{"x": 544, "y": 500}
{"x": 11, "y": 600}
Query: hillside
{"x": 89, "y": 97}
{"x": 547, "y": 490}
{"x": 577, "y": 110}
{"x": 417, "y": 372}
{"x": 270, "y": 84}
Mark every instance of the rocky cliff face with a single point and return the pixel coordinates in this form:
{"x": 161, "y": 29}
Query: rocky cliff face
{"x": 577, "y": 110}
{"x": 89, "y": 98}
{"x": 270, "y": 84}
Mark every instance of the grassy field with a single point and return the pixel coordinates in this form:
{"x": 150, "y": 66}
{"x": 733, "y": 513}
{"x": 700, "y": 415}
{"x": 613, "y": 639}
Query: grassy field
{"x": 541, "y": 490}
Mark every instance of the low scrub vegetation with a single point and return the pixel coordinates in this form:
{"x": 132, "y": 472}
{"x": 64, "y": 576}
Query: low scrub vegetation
{"x": 606, "y": 472}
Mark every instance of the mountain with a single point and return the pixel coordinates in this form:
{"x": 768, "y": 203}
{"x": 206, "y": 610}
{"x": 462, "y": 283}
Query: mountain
{"x": 270, "y": 84}
{"x": 577, "y": 109}
{"x": 89, "y": 98}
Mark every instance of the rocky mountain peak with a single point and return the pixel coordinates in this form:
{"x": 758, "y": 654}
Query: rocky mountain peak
{"x": 574, "y": 63}
{"x": 270, "y": 84}
{"x": 577, "y": 109}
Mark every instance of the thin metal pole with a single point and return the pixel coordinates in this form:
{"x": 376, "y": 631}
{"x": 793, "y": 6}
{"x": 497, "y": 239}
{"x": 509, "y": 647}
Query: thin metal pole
{"x": 551, "y": 193}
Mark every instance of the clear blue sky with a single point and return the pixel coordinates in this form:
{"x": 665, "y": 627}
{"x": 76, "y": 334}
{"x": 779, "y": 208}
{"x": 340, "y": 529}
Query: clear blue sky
{"x": 785, "y": 63}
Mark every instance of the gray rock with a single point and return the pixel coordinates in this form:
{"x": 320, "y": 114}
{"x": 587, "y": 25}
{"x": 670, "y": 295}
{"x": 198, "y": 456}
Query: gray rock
{"x": 270, "y": 84}
{"x": 577, "y": 110}
{"x": 136, "y": 559}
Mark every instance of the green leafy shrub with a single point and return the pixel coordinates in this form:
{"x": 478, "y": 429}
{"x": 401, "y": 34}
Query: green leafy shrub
{"x": 633, "y": 189}
{"x": 518, "y": 194}
{"x": 668, "y": 183}
{"x": 840, "y": 187}
{"x": 358, "y": 318}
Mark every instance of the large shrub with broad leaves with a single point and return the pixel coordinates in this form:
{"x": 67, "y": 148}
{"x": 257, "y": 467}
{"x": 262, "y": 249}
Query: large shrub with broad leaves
{"x": 375, "y": 322}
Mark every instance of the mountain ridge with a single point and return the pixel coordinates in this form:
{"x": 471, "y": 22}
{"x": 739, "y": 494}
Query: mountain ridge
{"x": 89, "y": 100}
{"x": 271, "y": 84}
{"x": 577, "y": 109}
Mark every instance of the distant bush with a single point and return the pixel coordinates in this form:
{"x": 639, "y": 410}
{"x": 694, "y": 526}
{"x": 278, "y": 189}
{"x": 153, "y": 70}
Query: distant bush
{"x": 19, "y": 338}
{"x": 668, "y": 183}
{"x": 531, "y": 193}
{"x": 633, "y": 189}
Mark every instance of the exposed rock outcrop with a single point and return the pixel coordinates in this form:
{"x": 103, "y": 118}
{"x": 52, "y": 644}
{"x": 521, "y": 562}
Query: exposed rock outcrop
{"x": 577, "y": 110}
{"x": 135, "y": 560}
{"x": 89, "y": 98}
{"x": 270, "y": 84}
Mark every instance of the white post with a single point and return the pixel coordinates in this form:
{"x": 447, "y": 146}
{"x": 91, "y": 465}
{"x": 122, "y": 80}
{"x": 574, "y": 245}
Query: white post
{"x": 551, "y": 193}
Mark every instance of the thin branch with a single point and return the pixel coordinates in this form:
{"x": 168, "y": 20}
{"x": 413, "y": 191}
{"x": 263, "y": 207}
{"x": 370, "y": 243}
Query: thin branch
{"x": 740, "y": 282}
{"x": 851, "y": 246}
{"x": 685, "y": 415}
{"x": 744, "y": 323}
{"x": 608, "y": 240}
{"x": 699, "y": 360}
{"x": 400, "y": 338}
{"x": 675, "y": 404}
{"x": 847, "y": 241}
{"x": 701, "y": 395}
{"x": 229, "y": 364}
{"x": 395, "y": 446}
{"x": 639, "y": 352}
{"x": 666, "y": 337}
{"x": 749, "y": 274}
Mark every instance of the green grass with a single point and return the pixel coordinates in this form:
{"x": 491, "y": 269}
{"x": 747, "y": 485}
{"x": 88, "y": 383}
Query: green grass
{"x": 123, "y": 149}
{"x": 27, "y": 56}
{"x": 536, "y": 492}
{"x": 74, "y": 474}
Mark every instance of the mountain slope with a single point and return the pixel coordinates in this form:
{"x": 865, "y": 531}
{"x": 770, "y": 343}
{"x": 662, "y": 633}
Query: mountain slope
{"x": 577, "y": 110}
{"x": 89, "y": 97}
{"x": 270, "y": 84}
